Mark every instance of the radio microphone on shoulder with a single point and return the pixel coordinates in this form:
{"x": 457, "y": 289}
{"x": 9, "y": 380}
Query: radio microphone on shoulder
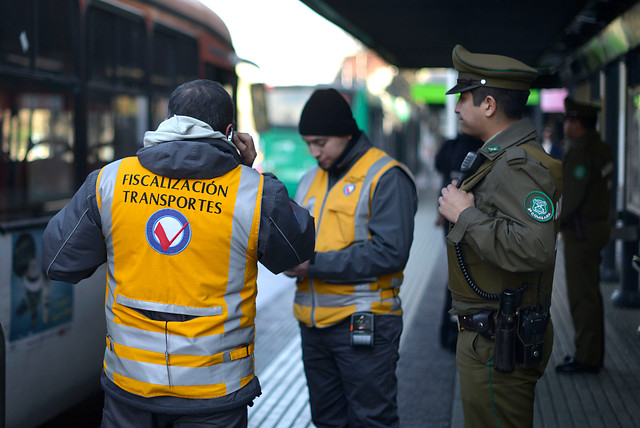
{"x": 470, "y": 164}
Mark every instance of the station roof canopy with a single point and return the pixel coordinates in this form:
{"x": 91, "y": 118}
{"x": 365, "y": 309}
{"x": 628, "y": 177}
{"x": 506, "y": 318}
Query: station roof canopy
{"x": 422, "y": 33}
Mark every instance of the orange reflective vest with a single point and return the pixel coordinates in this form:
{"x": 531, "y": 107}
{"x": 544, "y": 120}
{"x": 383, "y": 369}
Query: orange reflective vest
{"x": 341, "y": 214}
{"x": 181, "y": 280}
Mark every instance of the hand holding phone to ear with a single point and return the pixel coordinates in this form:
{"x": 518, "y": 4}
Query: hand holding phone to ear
{"x": 244, "y": 143}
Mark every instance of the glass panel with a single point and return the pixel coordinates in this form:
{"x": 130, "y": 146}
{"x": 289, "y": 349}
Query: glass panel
{"x": 175, "y": 58}
{"x": 47, "y": 30}
{"x": 159, "y": 107}
{"x": 284, "y": 105}
{"x": 116, "y": 48}
{"x": 100, "y": 46}
{"x": 58, "y": 35}
{"x": 16, "y": 36}
{"x": 37, "y": 158}
{"x": 115, "y": 126}
{"x": 632, "y": 181}
{"x": 186, "y": 60}
{"x": 132, "y": 51}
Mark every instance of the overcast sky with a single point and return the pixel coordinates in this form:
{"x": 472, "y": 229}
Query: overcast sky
{"x": 291, "y": 43}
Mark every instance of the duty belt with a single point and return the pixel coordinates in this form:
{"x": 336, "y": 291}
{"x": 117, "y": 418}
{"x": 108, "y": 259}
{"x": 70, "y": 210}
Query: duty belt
{"x": 482, "y": 323}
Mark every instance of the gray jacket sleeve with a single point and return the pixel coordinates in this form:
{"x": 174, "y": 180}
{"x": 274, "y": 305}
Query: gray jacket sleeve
{"x": 287, "y": 232}
{"x": 72, "y": 244}
{"x": 391, "y": 223}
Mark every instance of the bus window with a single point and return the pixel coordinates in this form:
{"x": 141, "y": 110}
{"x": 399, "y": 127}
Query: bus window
{"x": 116, "y": 46}
{"x": 159, "y": 106}
{"x": 17, "y": 33}
{"x": 175, "y": 58}
{"x": 116, "y": 124}
{"x": 46, "y": 31}
{"x": 58, "y": 25}
{"x": 37, "y": 155}
{"x": 284, "y": 105}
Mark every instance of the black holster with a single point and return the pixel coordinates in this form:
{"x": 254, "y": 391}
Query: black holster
{"x": 531, "y": 328}
{"x": 506, "y": 326}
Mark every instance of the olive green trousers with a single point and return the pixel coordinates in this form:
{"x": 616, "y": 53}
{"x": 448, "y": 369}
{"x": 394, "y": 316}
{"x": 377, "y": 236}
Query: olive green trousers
{"x": 491, "y": 398}
{"x": 582, "y": 268}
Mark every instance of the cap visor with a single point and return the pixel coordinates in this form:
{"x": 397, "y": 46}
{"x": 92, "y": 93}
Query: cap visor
{"x": 461, "y": 87}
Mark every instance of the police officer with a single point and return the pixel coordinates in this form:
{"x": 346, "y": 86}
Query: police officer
{"x": 585, "y": 227}
{"x": 181, "y": 226}
{"x": 347, "y": 295}
{"x": 502, "y": 240}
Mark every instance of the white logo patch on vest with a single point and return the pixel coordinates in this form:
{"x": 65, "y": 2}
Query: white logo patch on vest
{"x": 348, "y": 189}
{"x": 168, "y": 231}
{"x": 539, "y": 206}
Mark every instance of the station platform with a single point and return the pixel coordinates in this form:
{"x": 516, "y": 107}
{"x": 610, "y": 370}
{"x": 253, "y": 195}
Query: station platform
{"x": 428, "y": 393}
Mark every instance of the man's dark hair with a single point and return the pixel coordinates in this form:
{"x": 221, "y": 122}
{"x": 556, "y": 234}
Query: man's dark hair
{"x": 510, "y": 101}
{"x": 205, "y": 100}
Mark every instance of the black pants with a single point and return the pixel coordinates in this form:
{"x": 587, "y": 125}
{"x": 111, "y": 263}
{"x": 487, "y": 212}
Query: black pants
{"x": 352, "y": 386}
{"x": 119, "y": 415}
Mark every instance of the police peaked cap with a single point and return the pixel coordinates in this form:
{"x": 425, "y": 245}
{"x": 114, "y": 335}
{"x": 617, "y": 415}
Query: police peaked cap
{"x": 578, "y": 110}
{"x": 495, "y": 71}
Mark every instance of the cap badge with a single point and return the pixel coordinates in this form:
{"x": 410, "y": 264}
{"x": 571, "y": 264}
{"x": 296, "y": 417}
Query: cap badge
{"x": 539, "y": 206}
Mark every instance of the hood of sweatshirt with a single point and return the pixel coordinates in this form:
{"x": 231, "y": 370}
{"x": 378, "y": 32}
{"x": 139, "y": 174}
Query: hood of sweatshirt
{"x": 185, "y": 147}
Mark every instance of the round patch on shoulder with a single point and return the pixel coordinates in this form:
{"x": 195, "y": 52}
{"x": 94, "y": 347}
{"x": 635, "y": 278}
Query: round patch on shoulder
{"x": 539, "y": 206}
{"x": 580, "y": 172}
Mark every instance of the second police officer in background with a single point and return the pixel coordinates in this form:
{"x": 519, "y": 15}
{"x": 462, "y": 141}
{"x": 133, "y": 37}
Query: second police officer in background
{"x": 585, "y": 228}
{"x": 364, "y": 203}
{"x": 501, "y": 247}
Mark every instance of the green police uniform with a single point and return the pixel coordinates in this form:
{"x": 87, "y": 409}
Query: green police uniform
{"x": 507, "y": 239}
{"x": 585, "y": 228}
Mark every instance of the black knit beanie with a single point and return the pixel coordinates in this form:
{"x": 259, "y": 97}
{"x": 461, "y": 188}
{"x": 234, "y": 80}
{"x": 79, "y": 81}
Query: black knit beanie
{"x": 327, "y": 113}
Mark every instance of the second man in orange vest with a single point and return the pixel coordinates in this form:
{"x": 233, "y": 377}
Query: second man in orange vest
{"x": 364, "y": 203}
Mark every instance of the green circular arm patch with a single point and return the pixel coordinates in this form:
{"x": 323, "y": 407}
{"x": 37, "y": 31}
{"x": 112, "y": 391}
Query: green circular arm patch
{"x": 539, "y": 206}
{"x": 580, "y": 172}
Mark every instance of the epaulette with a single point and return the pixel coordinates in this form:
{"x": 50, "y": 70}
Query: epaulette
{"x": 516, "y": 155}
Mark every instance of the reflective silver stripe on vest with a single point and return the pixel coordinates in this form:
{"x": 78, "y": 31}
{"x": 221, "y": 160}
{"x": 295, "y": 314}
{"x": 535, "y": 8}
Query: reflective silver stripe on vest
{"x": 184, "y": 376}
{"x": 304, "y": 185}
{"x": 362, "y": 300}
{"x": 243, "y": 214}
{"x": 396, "y": 282}
{"x": 181, "y": 345}
{"x": 106, "y": 185}
{"x": 172, "y": 309}
{"x": 362, "y": 208}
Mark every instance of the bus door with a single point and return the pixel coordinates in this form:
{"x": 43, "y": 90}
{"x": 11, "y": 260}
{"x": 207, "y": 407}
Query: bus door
{"x": 36, "y": 179}
{"x": 36, "y": 149}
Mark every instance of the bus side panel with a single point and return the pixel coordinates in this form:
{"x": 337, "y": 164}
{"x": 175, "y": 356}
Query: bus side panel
{"x": 54, "y": 333}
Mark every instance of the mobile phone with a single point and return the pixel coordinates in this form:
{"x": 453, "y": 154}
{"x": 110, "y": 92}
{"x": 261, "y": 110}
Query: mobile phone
{"x": 230, "y": 136}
